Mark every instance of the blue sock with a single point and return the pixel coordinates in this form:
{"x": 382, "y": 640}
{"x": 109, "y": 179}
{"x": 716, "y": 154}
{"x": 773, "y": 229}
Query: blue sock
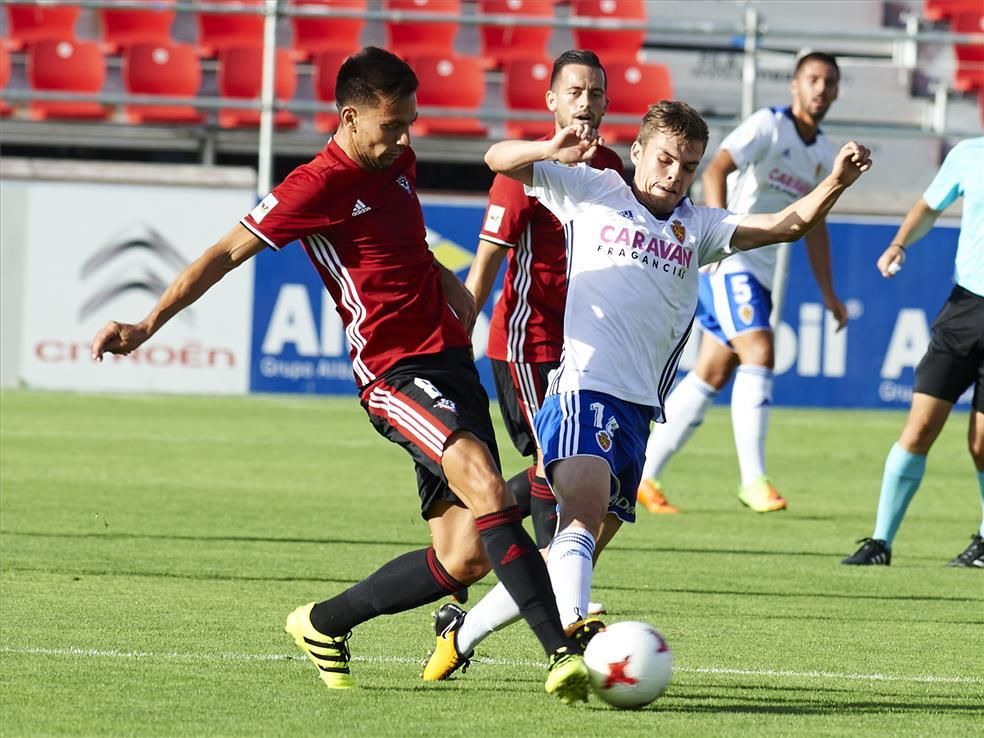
{"x": 903, "y": 473}
{"x": 980, "y": 481}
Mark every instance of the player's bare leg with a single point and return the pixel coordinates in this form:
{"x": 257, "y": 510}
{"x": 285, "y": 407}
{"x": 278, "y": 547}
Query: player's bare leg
{"x": 751, "y": 398}
{"x": 582, "y": 485}
{"x": 474, "y": 477}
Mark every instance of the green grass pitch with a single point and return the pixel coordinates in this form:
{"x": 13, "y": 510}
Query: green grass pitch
{"x": 151, "y": 547}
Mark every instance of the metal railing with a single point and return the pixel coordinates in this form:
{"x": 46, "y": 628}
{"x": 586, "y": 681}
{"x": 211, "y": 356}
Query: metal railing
{"x": 752, "y": 31}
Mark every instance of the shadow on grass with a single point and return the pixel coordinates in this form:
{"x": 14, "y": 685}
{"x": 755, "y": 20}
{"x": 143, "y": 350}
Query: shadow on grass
{"x": 198, "y": 576}
{"x": 615, "y": 548}
{"x": 798, "y": 595}
{"x": 204, "y": 538}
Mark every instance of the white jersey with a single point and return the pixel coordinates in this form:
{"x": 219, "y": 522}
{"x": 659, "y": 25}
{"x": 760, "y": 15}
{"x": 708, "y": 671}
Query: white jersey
{"x": 775, "y": 168}
{"x": 631, "y": 281}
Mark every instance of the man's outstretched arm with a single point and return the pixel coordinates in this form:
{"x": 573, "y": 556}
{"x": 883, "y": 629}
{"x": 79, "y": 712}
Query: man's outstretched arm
{"x": 795, "y": 221}
{"x": 234, "y": 248}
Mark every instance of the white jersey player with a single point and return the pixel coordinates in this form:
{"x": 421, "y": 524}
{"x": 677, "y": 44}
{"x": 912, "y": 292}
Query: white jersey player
{"x": 633, "y": 255}
{"x": 773, "y": 158}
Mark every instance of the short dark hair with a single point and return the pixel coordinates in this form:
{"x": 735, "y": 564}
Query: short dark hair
{"x": 576, "y": 56}
{"x": 371, "y": 75}
{"x": 819, "y": 56}
{"x": 674, "y": 118}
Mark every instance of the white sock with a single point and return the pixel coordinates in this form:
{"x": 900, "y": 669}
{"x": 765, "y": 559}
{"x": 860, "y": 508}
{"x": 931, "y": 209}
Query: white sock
{"x": 569, "y": 563}
{"x": 493, "y": 612}
{"x": 750, "y": 402}
{"x": 685, "y": 410}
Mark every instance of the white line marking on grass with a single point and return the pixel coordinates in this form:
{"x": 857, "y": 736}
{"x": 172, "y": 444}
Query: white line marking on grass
{"x": 177, "y": 656}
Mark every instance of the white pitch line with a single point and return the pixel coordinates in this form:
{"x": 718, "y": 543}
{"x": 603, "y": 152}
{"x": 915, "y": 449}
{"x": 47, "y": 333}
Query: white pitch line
{"x": 177, "y": 656}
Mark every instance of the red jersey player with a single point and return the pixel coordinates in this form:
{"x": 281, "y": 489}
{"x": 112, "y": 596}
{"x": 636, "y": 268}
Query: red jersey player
{"x": 355, "y": 209}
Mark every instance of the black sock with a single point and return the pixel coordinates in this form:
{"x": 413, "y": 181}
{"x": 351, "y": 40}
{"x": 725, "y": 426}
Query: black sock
{"x": 520, "y": 486}
{"x": 523, "y": 572}
{"x": 543, "y": 510}
{"x": 404, "y": 583}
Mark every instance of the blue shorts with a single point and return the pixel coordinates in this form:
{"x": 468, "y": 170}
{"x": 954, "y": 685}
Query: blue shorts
{"x": 731, "y": 304}
{"x": 587, "y": 423}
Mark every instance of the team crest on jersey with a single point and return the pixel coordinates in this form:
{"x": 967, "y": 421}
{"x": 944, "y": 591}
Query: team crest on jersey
{"x": 445, "y": 404}
{"x": 746, "y": 313}
{"x": 404, "y": 183}
{"x": 679, "y": 231}
{"x": 627, "y": 214}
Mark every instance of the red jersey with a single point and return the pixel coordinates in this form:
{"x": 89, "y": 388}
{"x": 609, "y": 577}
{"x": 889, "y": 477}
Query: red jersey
{"x": 364, "y": 232}
{"x": 528, "y": 320}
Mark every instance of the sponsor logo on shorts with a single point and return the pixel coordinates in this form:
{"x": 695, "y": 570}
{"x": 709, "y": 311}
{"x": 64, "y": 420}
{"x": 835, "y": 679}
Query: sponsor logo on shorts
{"x": 445, "y": 404}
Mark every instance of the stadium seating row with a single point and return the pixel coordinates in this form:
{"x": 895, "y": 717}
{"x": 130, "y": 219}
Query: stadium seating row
{"x": 312, "y": 36}
{"x": 447, "y": 81}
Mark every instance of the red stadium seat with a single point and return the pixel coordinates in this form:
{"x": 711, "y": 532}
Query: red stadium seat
{"x": 450, "y": 82}
{"x": 632, "y": 88}
{"x": 66, "y": 66}
{"x": 219, "y": 31}
{"x": 326, "y": 68}
{"x": 525, "y": 84}
{"x": 314, "y": 36}
{"x": 29, "y": 23}
{"x": 610, "y": 45}
{"x": 415, "y": 39}
{"x": 241, "y": 76}
{"x": 969, "y": 75}
{"x": 5, "y": 109}
{"x": 170, "y": 70}
{"x": 123, "y": 28}
{"x": 940, "y": 10}
{"x": 501, "y": 44}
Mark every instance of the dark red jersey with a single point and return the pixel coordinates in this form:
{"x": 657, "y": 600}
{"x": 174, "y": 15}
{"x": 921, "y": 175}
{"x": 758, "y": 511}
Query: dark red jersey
{"x": 364, "y": 232}
{"x": 528, "y": 320}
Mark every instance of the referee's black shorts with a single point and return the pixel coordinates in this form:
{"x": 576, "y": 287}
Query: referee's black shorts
{"x": 420, "y": 402}
{"x": 955, "y": 358}
{"x": 521, "y": 387}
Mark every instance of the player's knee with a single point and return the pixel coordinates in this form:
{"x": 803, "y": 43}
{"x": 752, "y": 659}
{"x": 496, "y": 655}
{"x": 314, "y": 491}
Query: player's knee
{"x": 760, "y": 354}
{"x": 716, "y": 376}
{"x": 976, "y": 447}
{"x": 466, "y": 564}
{"x": 472, "y": 472}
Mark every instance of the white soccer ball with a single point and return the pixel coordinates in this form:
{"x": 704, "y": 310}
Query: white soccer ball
{"x": 630, "y": 664}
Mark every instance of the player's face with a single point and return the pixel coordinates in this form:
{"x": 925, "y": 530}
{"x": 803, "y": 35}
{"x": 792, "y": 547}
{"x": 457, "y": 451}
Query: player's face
{"x": 665, "y": 167}
{"x": 814, "y": 89}
{"x": 578, "y": 94}
{"x": 380, "y": 133}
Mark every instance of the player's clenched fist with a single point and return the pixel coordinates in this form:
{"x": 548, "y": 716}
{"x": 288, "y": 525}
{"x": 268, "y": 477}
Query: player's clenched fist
{"x": 575, "y": 143}
{"x": 851, "y": 162}
{"x": 118, "y": 338}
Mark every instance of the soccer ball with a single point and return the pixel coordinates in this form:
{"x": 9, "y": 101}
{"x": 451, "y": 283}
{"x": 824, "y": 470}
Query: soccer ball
{"x": 630, "y": 664}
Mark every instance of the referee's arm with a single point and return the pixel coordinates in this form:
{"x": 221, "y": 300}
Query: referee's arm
{"x": 916, "y": 224}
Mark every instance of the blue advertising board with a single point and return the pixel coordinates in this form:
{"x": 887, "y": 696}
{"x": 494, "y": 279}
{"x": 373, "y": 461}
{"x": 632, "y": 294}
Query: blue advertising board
{"x": 298, "y": 344}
